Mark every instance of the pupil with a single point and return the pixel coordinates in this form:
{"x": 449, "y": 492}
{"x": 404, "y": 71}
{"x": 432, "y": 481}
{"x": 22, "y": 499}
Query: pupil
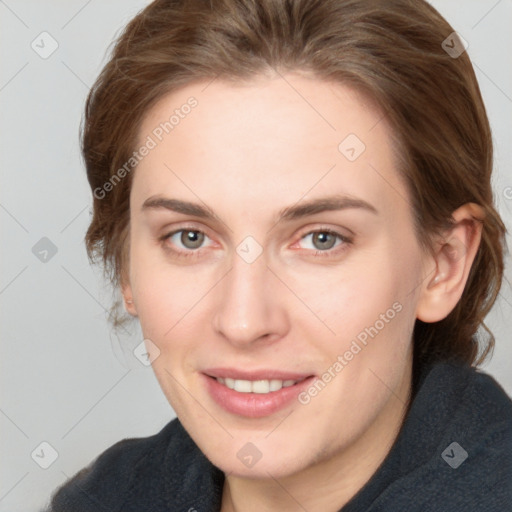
{"x": 323, "y": 239}
{"x": 192, "y": 239}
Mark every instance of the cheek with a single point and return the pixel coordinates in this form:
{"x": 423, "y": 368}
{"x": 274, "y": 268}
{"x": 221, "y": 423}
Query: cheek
{"x": 370, "y": 309}
{"x": 164, "y": 293}
{"x": 352, "y": 297}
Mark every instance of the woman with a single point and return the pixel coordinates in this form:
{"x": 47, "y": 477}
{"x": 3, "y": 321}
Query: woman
{"x": 295, "y": 201}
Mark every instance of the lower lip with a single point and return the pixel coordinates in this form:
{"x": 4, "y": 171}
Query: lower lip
{"x": 253, "y": 405}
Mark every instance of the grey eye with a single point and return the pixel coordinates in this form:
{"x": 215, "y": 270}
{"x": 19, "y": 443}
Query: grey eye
{"x": 324, "y": 240}
{"x": 190, "y": 239}
{"x": 321, "y": 240}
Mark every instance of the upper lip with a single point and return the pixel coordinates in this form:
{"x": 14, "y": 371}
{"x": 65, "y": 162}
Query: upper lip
{"x": 263, "y": 374}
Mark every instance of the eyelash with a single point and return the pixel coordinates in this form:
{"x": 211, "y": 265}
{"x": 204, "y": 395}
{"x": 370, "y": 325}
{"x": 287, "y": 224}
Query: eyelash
{"x": 328, "y": 253}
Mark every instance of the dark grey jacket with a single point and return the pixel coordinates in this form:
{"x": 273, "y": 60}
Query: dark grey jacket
{"x": 453, "y": 453}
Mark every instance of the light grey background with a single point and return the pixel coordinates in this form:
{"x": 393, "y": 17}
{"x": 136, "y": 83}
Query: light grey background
{"x": 64, "y": 381}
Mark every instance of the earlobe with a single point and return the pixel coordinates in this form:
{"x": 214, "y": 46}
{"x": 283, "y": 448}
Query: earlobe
{"x": 129, "y": 304}
{"x": 129, "y": 307}
{"x": 453, "y": 258}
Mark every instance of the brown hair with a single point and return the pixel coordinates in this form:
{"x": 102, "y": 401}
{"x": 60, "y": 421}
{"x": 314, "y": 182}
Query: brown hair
{"x": 390, "y": 50}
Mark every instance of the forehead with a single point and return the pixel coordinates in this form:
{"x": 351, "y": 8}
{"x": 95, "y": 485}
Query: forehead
{"x": 293, "y": 105}
{"x": 275, "y": 138}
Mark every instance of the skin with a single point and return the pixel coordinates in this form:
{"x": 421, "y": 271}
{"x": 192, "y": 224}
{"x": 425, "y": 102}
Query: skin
{"x": 248, "y": 151}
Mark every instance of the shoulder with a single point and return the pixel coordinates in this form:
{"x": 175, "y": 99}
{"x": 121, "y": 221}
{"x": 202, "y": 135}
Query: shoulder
{"x": 104, "y": 484}
{"x": 468, "y": 396}
{"x": 479, "y": 415}
{"x": 469, "y": 461}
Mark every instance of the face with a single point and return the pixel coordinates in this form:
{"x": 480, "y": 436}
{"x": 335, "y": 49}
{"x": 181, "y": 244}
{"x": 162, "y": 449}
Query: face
{"x": 272, "y": 250}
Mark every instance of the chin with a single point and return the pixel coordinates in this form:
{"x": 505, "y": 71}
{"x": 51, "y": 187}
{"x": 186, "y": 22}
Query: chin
{"x": 279, "y": 467}
{"x": 250, "y": 456}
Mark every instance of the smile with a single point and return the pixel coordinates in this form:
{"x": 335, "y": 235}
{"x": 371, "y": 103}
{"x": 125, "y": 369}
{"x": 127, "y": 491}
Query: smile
{"x": 257, "y": 386}
{"x": 254, "y": 394}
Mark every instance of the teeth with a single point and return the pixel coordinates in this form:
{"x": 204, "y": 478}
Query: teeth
{"x": 243, "y": 386}
{"x": 256, "y": 386}
{"x": 275, "y": 385}
{"x": 260, "y": 386}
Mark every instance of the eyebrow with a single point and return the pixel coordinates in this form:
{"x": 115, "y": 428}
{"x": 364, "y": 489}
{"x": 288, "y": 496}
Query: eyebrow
{"x": 294, "y": 212}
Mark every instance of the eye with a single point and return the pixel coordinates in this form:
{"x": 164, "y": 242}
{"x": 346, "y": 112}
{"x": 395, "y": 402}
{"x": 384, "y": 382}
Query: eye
{"x": 190, "y": 239}
{"x": 324, "y": 241}
{"x": 185, "y": 241}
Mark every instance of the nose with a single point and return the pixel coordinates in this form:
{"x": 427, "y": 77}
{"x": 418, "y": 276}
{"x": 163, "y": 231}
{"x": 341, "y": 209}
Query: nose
{"x": 250, "y": 309}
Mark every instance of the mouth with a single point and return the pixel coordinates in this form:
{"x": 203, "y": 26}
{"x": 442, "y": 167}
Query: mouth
{"x": 254, "y": 394}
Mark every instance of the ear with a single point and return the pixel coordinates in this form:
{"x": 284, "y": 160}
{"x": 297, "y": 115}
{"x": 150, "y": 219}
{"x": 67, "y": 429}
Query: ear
{"x": 452, "y": 260}
{"x": 129, "y": 304}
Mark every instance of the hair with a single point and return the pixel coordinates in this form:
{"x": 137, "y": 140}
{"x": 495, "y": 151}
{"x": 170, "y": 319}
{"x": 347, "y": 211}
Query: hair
{"x": 391, "y": 51}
